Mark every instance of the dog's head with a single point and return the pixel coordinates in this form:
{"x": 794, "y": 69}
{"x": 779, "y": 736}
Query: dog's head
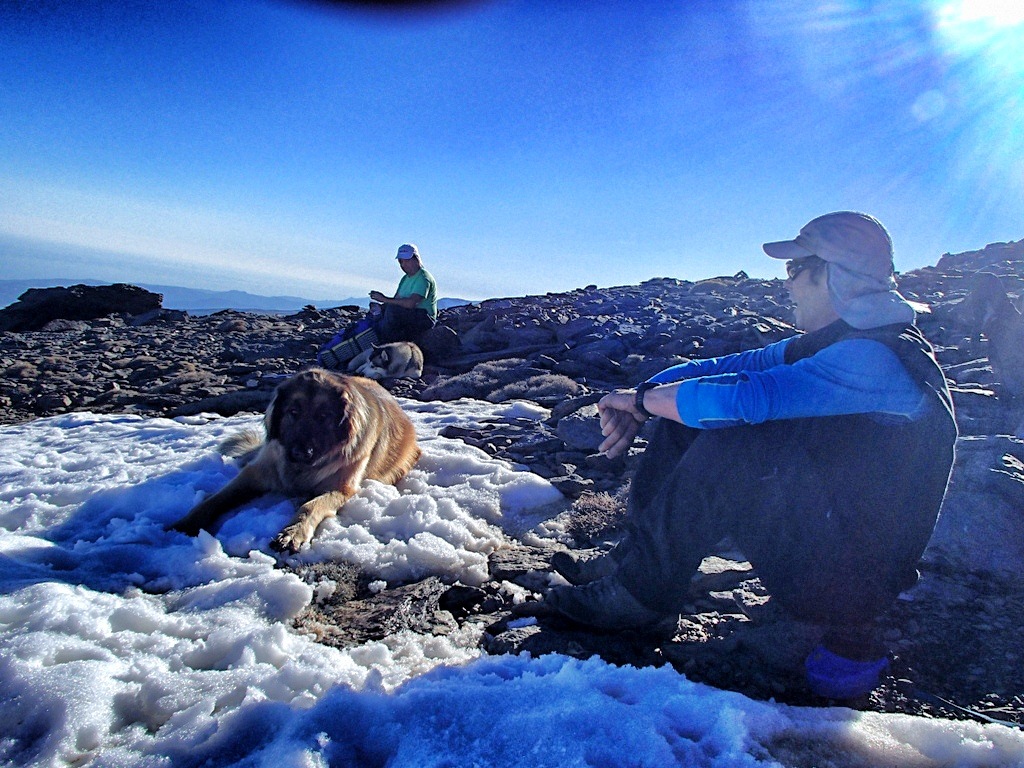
{"x": 378, "y": 364}
{"x": 310, "y": 414}
{"x": 381, "y": 356}
{"x": 986, "y": 301}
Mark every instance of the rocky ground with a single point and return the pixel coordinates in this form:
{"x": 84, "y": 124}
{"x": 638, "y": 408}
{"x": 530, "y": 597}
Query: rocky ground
{"x": 956, "y": 635}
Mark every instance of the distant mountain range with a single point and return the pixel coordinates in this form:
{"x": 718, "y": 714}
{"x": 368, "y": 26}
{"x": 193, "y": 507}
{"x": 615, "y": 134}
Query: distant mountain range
{"x": 198, "y": 301}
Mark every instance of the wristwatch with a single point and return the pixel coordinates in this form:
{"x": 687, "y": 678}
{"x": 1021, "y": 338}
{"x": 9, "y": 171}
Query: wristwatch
{"x": 638, "y": 401}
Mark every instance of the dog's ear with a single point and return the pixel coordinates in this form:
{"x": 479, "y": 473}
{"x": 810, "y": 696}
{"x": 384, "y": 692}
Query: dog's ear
{"x": 272, "y": 421}
{"x": 343, "y": 405}
{"x": 385, "y": 355}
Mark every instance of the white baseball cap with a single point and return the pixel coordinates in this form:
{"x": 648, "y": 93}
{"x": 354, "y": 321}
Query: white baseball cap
{"x": 407, "y": 251}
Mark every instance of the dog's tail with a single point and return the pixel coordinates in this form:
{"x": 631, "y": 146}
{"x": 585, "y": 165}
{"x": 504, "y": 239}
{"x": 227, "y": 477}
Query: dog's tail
{"x": 243, "y": 445}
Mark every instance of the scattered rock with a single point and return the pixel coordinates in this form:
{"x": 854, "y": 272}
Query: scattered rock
{"x": 581, "y": 429}
{"x": 563, "y": 351}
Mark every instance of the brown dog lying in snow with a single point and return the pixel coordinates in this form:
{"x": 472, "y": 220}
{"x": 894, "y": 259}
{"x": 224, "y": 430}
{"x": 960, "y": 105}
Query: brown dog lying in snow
{"x": 325, "y": 434}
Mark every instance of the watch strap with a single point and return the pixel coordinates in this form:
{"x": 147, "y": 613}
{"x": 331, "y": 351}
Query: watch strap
{"x": 638, "y": 401}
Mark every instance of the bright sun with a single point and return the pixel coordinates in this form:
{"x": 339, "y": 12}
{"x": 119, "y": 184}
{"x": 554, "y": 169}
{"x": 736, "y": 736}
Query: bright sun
{"x": 974, "y": 25}
{"x": 997, "y": 13}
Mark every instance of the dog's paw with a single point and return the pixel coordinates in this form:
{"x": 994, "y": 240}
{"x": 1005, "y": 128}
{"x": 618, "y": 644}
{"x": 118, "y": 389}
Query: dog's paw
{"x": 290, "y": 539}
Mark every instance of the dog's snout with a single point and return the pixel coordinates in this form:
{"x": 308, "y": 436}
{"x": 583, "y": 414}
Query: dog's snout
{"x": 302, "y": 453}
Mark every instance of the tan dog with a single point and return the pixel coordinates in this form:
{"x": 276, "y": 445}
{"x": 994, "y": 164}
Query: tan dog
{"x": 325, "y": 434}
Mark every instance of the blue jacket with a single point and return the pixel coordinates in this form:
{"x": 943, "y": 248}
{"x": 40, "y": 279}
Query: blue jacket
{"x": 851, "y": 376}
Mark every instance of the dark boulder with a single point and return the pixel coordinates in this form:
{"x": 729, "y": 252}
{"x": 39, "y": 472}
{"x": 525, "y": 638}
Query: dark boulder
{"x": 38, "y": 306}
{"x": 440, "y": 343}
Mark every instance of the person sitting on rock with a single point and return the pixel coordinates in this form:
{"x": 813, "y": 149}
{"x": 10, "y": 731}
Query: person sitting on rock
{"x": 824, "y": 457}
{"x": 412, "y": 311}
{"x": 406, "y": 316}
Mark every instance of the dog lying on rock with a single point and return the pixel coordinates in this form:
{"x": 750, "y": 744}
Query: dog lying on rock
{"x": 989, "y": 309}
{"x": 397, "y": 360}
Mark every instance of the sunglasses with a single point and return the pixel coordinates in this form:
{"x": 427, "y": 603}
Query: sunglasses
{"x": 795, "y": 266}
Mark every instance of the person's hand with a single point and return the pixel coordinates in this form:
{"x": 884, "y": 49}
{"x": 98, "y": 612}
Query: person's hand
{"x": 620, "y": 421}
{"x": 377, "y": 296}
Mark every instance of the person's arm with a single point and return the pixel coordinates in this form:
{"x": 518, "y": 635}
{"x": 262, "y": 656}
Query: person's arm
{"x": 759, "y": 359}
{"x": 415, "y": 290}
{"x": 855, "y": 376}
{"x": 409, "y": 302}
{"x": 620, "y": 418}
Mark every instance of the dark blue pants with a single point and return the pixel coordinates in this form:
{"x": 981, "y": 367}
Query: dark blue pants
{"x": 821, "y": 558}
{"x": 401, "y": 324}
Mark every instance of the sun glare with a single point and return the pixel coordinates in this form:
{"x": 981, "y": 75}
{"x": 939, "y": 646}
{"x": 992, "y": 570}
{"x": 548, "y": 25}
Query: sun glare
{"x": 990, "y": 28}
{"x": 980, "y": 103}
{"x": 995, "y": 13}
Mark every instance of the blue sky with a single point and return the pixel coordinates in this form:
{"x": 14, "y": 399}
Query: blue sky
{"x": 526, "y": 147}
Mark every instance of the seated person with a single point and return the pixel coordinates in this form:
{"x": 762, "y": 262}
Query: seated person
{"x": 406, "y": 316}
{"x": 413, "y": 309}
{"x": 824, "y": 456}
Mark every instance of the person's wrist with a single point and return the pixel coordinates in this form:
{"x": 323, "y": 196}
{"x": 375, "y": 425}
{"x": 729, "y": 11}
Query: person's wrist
{"x": 638, "y": 399}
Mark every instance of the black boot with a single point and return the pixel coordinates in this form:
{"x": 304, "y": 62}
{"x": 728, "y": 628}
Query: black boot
{"x": 604, "y": 604}
{"x": 583, "y": 570}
